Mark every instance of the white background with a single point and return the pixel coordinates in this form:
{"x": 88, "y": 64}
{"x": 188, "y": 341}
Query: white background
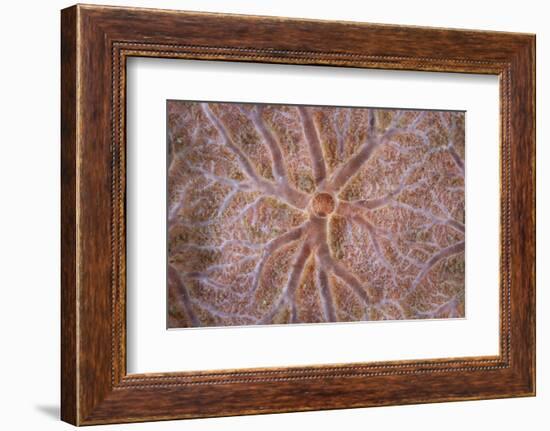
{"x": 29, "y": 228}
{"x": 151, "y": 348}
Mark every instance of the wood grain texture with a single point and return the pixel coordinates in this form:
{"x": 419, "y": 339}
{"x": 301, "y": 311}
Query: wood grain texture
{"x": 96, "y": 41}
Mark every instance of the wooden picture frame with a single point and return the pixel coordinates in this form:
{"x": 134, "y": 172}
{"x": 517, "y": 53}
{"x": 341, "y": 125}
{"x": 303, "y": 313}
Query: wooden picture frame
{"x": 96, "y": 41}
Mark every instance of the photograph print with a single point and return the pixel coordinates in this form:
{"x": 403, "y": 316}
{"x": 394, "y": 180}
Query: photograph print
{"x": 293, "y": 214}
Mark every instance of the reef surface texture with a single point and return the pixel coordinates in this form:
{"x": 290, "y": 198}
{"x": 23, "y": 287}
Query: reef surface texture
{"x": 301, "y": 214}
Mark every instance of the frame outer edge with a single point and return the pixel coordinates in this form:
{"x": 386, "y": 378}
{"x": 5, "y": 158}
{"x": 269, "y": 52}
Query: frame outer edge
{"x": 532, "y": 101}
{"x": 69, "y": 196}
{"x": 530, "y": 62}
{"x": 533, "y": 53}
{"x": 523, "y": 217}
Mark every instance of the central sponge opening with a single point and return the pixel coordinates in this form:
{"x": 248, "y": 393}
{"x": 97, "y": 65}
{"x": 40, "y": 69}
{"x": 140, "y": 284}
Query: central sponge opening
{"x": 322, "y": 204}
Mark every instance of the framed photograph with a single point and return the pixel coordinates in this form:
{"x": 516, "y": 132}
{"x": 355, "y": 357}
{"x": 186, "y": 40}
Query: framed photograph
{"x": 264, "y": 214}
